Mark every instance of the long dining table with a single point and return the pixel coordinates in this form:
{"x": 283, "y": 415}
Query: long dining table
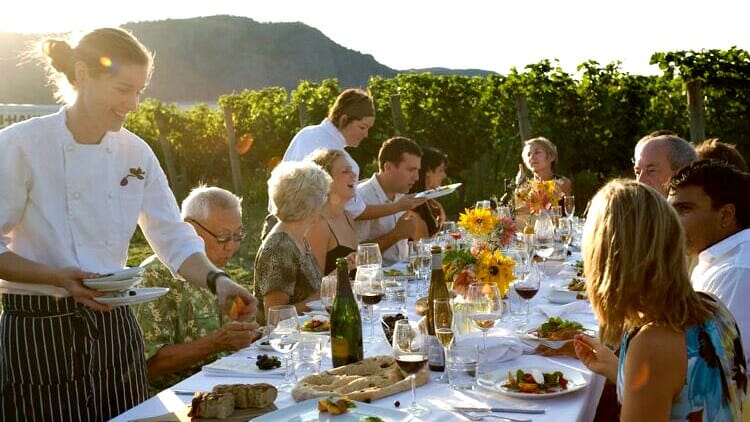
{"x": 439, "y": 397}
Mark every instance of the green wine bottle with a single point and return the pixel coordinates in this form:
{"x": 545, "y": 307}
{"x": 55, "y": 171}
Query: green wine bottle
{"x": 346, "y": 323}
{"x": 438, "y": 290}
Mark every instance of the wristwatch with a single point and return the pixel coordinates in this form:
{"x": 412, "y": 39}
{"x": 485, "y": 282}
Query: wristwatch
{"x": 211, "y": 279}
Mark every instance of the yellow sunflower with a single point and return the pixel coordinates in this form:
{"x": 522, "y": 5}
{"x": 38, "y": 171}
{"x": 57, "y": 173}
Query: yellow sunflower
{"x": 494, "y": 267}
{"x": 478, "y": 220}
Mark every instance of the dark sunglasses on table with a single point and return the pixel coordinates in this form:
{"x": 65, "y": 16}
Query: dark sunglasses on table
{"x": 237, "y": 237}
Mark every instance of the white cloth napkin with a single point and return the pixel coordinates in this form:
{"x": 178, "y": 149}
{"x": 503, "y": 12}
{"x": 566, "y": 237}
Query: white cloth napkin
{"x": 499, "y": 347}
{"x": 559, "y": 311}
{"x": 232, "y": 366}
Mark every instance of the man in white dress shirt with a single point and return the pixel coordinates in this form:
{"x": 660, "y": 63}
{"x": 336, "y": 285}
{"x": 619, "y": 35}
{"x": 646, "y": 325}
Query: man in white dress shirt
{"x": 713, "y": 200}
{"x": 399, "y": 161}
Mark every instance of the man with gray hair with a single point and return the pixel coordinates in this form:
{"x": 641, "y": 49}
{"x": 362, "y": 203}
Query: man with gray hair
{"x": 184, "y": 329}
{"x": 657, "y": 158}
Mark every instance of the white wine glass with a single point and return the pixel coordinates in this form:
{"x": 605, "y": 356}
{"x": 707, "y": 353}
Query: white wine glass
{"x": 369, "y": 254}
{"x": 411, "y": 349}
{"x": 486, "y": 307}
{"x": 284, "y": 336}
{"x": 443, "y": 324}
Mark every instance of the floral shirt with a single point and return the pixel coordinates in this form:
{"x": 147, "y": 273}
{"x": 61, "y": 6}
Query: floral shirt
{"x": 279, "y": 265}
{"x": 184, "y": 314}
{"x": 715, "y": 381}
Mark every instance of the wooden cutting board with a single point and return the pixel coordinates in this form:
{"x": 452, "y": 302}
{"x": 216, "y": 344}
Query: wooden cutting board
{"x": 239, "y": 415}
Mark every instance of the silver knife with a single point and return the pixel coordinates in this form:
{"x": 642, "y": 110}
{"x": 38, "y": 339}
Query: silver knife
{"x": 501, "y": 409}
{"x": 183, "y": 392}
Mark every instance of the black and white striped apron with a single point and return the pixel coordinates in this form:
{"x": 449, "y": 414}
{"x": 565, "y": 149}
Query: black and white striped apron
{"x": 61, "y": 361}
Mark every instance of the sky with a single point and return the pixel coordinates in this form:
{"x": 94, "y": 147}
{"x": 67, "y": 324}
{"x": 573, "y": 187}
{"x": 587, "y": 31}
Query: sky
{"x": 406, "y": 34}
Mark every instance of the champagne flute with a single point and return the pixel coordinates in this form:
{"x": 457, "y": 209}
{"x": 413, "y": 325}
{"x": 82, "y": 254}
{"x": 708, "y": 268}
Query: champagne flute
{"x": 570, "y": 205}
{"x": 328, "y": 292}
{"x": 487, "y": 307}
{"x": 411, "y": 350}
{"x": 284, "y": 336}
{"x": 565, "y": 232}
{"x": 443, "y": 321}
{"x": 527, "y": 288}
{"x": 369, "y": 254}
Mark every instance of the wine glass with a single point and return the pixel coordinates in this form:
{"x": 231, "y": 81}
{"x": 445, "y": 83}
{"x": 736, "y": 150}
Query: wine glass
{"x": 328, "y": 292}
{"x": 371, "y": 290}
{"x": 369, "y": 254}
{"x": 411, "y": 350}
{"x": 544, "y": 237}
{"x": 284, "y": 336}
{"x": 527, "y": 288}
{"x": 361, "y": 277}
{"x": 565, "y": 233}
{"x": 486, "y": 307}
{"x": 570, "y": 205}
{"x": 443, "y": 324}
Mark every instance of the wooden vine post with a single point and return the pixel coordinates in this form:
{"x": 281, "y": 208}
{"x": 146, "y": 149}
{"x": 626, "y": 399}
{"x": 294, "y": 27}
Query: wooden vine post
{"x": 234, "y": 159}
{"x": 163, "y": 125}
{"x": 396, "y": 117}
{"x": 695, "y": 111}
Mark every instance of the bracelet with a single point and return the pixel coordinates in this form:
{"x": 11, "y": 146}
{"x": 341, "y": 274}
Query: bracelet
{"x": 211, "y": 279}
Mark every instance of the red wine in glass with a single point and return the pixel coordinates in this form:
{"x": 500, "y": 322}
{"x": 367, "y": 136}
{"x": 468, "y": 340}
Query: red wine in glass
{"x": 526, "y": 292}
{"x": 372, "y": 298}
{"x": 411, "y": 363}
{"x": 456, "y": 235}
{"x": 328, "y": 309}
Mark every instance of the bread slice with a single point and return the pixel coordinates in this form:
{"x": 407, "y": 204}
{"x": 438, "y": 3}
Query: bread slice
{"x": 212, "y": 405}
{"x": 249, "y": 396}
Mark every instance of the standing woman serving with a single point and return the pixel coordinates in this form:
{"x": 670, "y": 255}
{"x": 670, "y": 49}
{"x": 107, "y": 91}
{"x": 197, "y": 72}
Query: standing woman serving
{"x": 74, "y": 185}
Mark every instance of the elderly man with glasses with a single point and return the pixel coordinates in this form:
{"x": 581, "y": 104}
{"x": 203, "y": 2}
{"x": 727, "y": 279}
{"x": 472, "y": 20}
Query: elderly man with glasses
{"x": 184, "y": 329}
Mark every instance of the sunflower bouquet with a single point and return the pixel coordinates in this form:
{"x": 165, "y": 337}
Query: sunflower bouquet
{"x": 537, "y": 196}
{"x": 484, "y": 226}
{"x": 481, "y": 263}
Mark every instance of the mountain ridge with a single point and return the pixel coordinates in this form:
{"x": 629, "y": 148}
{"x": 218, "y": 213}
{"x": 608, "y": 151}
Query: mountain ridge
{"x": 201, "y": 58}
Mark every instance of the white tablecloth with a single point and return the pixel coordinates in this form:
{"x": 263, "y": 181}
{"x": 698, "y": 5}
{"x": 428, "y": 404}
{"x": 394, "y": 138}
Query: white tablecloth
{"x": 576, "y": 406}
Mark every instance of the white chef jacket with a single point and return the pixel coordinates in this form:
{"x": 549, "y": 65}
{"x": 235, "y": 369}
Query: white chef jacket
{"x": 66, "y": 204}
{"x": 323, "y": 136}
{"x": 724, "y": 270}
{"x": 367, "y": 230}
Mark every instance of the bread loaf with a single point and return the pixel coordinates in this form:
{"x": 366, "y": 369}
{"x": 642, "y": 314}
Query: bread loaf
{"x": 249, "y": 396}
{"x": 211, "y": 405}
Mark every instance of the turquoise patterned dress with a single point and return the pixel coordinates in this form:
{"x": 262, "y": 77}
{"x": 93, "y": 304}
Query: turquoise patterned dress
{"x": 716, "y": 381}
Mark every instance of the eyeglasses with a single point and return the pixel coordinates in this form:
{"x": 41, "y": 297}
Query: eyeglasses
{"x": 237, "y": 237}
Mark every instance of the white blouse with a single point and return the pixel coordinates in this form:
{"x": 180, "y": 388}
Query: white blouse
{"x": 66, "y": 204}
{"x": 323, "y": 136}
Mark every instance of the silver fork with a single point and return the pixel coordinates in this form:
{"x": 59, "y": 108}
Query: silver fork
{"x": 481, "y": 417}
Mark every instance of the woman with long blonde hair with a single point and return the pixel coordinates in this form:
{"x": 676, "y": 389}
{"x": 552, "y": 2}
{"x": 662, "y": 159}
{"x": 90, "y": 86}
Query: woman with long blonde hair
{"x": 680, "y": 353}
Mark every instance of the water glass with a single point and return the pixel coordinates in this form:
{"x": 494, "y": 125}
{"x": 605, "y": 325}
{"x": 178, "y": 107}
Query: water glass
{"x": 412, "y": 287}
{"x": 308, "y": 354}
{"x": 369, "y": 254}
{"x": 462, "y": 365}
{"x": 395, "y": 290}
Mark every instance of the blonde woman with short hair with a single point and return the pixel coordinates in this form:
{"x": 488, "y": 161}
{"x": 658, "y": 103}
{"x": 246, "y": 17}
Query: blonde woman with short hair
{"x": 680, "y": 353}
{"x": 286, "y": 272}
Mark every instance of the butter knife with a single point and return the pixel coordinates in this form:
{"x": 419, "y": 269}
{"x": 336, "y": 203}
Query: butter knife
{"x": 501, "y": 409}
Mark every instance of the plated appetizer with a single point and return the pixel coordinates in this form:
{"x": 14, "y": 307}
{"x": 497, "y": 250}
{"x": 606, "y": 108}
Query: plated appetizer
{"x": 535, "y": 382}
{"x": 316, "y": 325}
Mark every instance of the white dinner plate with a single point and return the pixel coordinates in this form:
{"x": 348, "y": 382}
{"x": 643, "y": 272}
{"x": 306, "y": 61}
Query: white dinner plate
{"x": 438, "y": 192}
{"x": 120, "y": 275}
{"x": 307, "y": 411}
{"x": 112, "y": 286}
{"x": 494, "y": 381}
{"x": 315, "y": 305}
{"x": 304, "y": 319}
{"x": 133, "y": 296}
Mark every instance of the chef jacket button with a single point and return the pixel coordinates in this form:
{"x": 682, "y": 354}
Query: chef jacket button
{"x": 69, "y": 148}
{"x": 110, "y": 195}
{"x": 109, "y": 150}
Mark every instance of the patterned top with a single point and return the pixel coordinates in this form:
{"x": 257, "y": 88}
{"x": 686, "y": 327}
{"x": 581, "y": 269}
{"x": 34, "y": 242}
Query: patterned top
{"x": 715, "y": 381}
{"x": 279, "y": 265}
{"x": 185, "y": 314}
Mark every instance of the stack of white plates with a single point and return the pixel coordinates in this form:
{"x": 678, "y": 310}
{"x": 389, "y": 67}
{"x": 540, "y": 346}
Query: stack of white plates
{"x": 119, "y": 288}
